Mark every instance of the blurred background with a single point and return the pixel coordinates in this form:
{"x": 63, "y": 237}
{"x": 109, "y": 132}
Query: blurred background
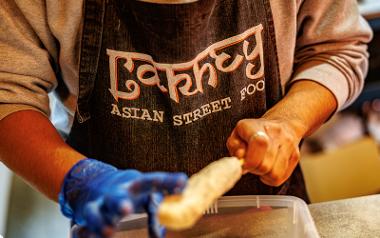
{"x": 341, "y": 160}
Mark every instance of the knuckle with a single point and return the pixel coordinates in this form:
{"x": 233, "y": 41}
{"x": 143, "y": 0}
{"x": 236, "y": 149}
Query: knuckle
{"x": 275, "y": 128}
{"x": 260, "y": 140}
{"x": 264, "y": 168}
{"x": 250, "y": 165}
{"x": 232, "y": 144}
{"x": 261, "y": 143}
{"x": 279, "y": 128}
{"x": 288, "y": 139}
{"x": 277, "y": 179}
{"x": 240, "y": 152}
{"x": 241, "y": 123}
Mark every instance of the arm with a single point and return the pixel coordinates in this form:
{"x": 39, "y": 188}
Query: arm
{"x": 32, "y": 148}
{"x": 330, "y": 63}
{"x": 93, "y": 194}
{"x": 270, "y": 144}
{"x": 331, "y": 47}
{"x": 29, "y": 144}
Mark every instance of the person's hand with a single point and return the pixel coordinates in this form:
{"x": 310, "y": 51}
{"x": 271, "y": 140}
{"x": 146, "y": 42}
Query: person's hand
{"x": 269, "y": 148}
{"x": 96, "y": 196}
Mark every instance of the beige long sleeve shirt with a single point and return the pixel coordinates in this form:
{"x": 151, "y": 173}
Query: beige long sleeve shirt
{"x": 324, "y": 41}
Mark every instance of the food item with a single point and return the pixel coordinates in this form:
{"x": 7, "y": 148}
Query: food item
{"x": 181, "y": 211}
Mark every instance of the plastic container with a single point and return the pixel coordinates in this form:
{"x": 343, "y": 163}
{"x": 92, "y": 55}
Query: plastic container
{"x": 241, "y": 216}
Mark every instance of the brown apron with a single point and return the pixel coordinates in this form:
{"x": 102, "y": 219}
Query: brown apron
{"x": 163, "y": 85}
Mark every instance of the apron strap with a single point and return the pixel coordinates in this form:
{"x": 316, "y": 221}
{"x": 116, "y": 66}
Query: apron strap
{"x": 94, "y": 11}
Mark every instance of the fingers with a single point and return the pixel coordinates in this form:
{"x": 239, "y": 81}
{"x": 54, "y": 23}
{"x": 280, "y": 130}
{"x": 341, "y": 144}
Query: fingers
{"x": 236, "y": 146}
{"x": 154, "y": 227}
{"x": 271, "y": 152}
{"x": 116, "y": 206}
{"x": 258, "y": 146}
{"x": 260, "y": 153}
{"x": 159, "y": 181}
{"x": 294, "y": 159}
{"x": 102, "y": 215}
{"x": 275, "y": 176}
{"x": 97, "y": 224}
{"x": 283, "y": 167}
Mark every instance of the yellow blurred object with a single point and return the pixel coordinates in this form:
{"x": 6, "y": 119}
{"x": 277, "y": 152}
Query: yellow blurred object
{"x": 349, "y": 171}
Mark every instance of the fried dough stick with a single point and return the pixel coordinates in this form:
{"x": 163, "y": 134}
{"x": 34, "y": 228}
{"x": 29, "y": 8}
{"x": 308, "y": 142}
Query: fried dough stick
{"x": 178, "y": 212}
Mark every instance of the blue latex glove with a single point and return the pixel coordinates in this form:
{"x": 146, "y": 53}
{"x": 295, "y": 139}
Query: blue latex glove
{"x": 96, "y": 196}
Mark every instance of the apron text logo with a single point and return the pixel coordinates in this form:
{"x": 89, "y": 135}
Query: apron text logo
{"x": 147, "y": 71}
{"x": 132, "y": 113}
{"x": 138, "y": 113}
{"x": 207, "y": 109}
{"x": 252, "y": 88}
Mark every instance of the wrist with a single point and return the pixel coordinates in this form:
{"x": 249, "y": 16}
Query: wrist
{"x": 297, "y": 126}
{"x": 76, "y": 184}
{"x": 305, "y": 107}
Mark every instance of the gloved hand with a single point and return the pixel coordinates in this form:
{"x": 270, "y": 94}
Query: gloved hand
{"x": 96, "y": 196}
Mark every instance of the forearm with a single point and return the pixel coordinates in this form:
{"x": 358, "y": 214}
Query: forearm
{"x": 32, "y": 148}
{"x": 332, "y": 50}
{"x": 306, "y": 106}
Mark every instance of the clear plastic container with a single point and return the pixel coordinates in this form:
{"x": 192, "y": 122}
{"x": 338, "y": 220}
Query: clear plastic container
{"x": 241, "y": 216}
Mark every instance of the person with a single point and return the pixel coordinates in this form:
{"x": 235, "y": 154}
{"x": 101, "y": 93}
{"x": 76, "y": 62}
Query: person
{"x": 153, "y": 85}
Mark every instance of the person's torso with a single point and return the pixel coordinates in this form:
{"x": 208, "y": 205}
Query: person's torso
{"x": 65, "y": 22}
{"x": 163, "y": 86}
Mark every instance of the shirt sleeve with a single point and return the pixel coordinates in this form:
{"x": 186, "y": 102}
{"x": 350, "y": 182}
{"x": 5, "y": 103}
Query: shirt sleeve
{"x": 27, "y": 67}
{"x": 331, "y": 47}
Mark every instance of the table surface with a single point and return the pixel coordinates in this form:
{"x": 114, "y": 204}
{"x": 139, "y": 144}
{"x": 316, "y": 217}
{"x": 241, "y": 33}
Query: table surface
{"x": 349, "y": 218}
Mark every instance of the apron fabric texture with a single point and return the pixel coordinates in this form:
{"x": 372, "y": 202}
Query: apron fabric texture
{"x": 163, "y": 85}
